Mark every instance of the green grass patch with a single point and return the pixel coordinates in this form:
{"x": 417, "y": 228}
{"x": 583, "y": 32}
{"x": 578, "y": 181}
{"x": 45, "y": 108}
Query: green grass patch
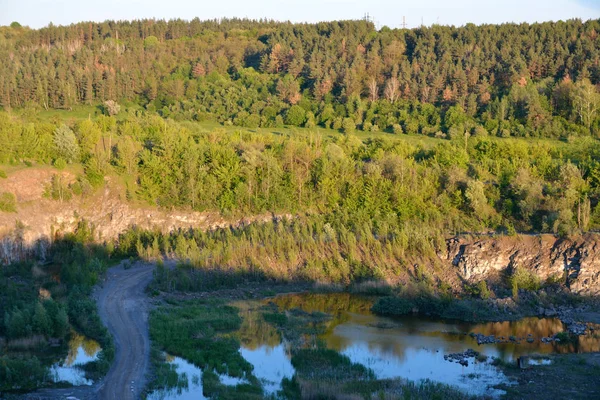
{"x": 8, "y": 202}
{"x": 201, "y": 332}
{"x": 328, "y": 365}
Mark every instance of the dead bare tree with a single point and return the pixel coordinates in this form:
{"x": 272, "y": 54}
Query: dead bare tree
{"x": 392, "y": 89}
{"x": 373, "y": 90}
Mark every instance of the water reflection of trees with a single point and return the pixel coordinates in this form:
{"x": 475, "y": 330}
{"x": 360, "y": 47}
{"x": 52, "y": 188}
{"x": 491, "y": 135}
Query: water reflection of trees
{"x": 90, "y": 348}
{"x": 330, "y": 303}
{"x": 255, "y": 331}
{"x": 338, "y": 305}
{"x": 355, "y": 324}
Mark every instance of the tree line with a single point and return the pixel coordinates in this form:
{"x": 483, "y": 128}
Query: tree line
{"x": 506, "y": 80}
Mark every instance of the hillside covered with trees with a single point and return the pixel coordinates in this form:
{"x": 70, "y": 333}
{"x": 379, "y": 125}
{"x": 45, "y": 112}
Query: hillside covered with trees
{"x": 504, "y": 80}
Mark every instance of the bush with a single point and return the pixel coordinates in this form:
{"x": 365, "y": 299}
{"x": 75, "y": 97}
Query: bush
{"x": 150, "y": 42}
{"x": 8, "y": 202}
{"x": 60, "y": 163}
{"x": 66, "y": 145}
{"x": 479, "y": 290}
{"x": 23, "y": 374}
{"x": 111, "y": 107}
{"x": 484, "y": 292}
{"x": 397, "y": 129}
{"x": 524, "y": 279}
{"x": 2, "y": 174}
{"x": 393, "y": 306}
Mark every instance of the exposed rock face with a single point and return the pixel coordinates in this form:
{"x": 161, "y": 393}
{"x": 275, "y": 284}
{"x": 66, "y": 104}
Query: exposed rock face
{"x": 576, "y": 258}
{"x": 39, "y": 219}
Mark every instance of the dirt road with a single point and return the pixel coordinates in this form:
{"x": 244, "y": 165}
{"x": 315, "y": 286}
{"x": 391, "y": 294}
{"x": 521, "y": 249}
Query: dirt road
{"x": 123, "y": 307}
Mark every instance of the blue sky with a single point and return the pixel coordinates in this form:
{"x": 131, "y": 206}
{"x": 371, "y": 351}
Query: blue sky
{"x": 38, "y": 13}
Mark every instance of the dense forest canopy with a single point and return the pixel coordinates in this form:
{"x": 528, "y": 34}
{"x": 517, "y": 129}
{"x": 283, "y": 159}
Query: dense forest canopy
{"x": 519, "y": 80}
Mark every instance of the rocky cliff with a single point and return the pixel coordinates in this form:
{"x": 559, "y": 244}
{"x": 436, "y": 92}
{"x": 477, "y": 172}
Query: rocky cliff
{"x": 39, "y": 218}
{"x": 575, "y": 260}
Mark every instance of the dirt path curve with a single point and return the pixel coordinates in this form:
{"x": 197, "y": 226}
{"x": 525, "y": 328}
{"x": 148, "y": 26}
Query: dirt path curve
{"x": 123, "y": 308}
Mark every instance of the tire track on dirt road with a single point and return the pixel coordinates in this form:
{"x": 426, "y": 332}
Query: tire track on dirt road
{"x": 124, "y": 308}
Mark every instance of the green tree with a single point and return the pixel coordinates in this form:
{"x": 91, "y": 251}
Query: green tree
{"x": 349, "y": 125}
{"x": 40, "y": 322}
{"x": 586, "y": 101}
{"x": 295, "y": 116}
{"x": 88, "y": 136}
{"x": 150, "y": 42}
{"x": 66, "y": 145}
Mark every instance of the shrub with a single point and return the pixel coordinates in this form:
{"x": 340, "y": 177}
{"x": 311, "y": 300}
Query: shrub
{"x": 66, "y": 145}
{"x": 2, "y": 174}
{"x": 479, "y": 290}
{"x": 8, "y": 202}
{"x": 565, "y": 338}
{"x": 393, "y": 306}
{"x": 337, "y": 124}
{"x": 150, "y": 42}
{"x": 111, "y": 107}
{"x": 524, "y": 279}
{"x": 60, "y": 163}
{"x": 24, "y": 374}
{"x": 279, "y": 121}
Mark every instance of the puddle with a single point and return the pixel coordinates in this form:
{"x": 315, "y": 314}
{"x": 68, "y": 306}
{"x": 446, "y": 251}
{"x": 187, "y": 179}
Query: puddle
{"x": 271, "y": 365}
{"x": 541, "y": 361}
{"x": 190, "y": 382}
{"x": 82, "y": 350}
{"x": 412, "y": 348}
{"x": 189, "y": 373}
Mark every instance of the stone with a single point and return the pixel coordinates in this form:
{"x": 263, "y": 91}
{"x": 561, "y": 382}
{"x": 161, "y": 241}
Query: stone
{"x": 523, "y": 362}
{"x": 547, "y": 256}
{"x": 461, "y": 358}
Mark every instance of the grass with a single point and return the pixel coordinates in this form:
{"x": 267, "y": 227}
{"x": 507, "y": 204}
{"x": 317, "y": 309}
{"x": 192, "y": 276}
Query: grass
{"x": 569, "y": 376}
{"x": 333, "y": 366}
{"x": 75, "y": 114}
{"x": 428, "y": 303}
{"x": 8, "y": 202}
{"x": 295, "y": 325}
{"x": 200, "y": 332}
{"x": 80, "y": 112}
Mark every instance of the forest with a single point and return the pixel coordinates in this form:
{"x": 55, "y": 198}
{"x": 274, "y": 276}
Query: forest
{"x": 527, "y": 80}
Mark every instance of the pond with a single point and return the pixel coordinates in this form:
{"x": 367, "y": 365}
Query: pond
{"x": 81, "y": 351}
{"x": 412, "y": 348}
